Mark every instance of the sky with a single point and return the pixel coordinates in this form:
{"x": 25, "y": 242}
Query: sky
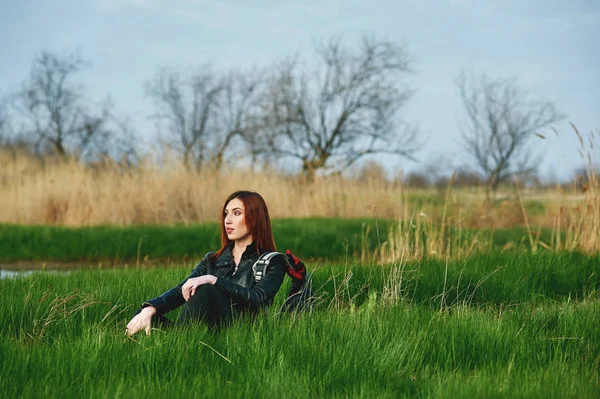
{"x": 552, "y": 47}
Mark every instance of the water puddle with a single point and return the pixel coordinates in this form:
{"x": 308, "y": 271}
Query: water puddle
{"x": 13, "y": 273}
{"x": 26, "y": 268}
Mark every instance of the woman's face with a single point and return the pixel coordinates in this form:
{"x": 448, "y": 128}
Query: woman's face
{"x": 235, "y": 221}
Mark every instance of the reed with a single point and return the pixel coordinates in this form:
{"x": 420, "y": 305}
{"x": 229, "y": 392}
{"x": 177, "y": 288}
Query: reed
{"x": 426, "y": 230}
{"x": 577, "y": 226}
{"x": 57, "y": 192}
{"x": 73, "y": 194}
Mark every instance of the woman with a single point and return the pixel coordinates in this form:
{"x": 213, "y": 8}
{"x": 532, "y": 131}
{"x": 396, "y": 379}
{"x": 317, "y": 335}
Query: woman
{"x": 223, "y": 283}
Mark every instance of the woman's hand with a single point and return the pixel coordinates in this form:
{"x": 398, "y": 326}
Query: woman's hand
{"x": 189, "y": 288}
{"x": 142, "y": 321}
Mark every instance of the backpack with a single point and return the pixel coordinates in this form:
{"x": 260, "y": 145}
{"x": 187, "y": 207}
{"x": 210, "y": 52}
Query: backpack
{"x": 300, "y": 295}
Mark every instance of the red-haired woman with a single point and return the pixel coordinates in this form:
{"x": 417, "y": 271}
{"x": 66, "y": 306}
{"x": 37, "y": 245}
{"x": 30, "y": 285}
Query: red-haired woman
{"x": 223, "y": 283}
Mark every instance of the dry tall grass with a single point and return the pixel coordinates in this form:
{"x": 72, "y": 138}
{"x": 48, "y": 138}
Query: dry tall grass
{"x": 426, "y": 231}
{"x": 70, "y": 193}
{"x": 73, "y": 194}
{"x": 577, "y": 226}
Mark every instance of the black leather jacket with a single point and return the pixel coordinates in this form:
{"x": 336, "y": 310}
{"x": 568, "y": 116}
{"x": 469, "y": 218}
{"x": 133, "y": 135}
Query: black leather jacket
{"x": 238, "y": 285}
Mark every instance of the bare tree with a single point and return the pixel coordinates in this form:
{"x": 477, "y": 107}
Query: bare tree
{"x": 57, "y": 118}
{"x": 501, "y": 120}
{"x": 110, "y": 137}
{"x": 203, "y": 112}
{"x": 346, "y": 109}
{"x": 185, "y": 105}
{"x": 239, "y": 111}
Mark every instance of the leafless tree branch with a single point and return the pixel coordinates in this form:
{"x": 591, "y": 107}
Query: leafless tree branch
{"x": 347, "y": 108}
{"x": 203, "y": 111}
{"x": 501, "y": 119}
{"x": 55, "y": 115}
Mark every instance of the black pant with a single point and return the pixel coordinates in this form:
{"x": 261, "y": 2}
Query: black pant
{"x": 208, "y": 304}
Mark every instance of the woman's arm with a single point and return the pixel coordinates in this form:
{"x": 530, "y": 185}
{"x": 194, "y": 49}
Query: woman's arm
{"x": 263, "y": 292}
{"x": 173, "y": 298}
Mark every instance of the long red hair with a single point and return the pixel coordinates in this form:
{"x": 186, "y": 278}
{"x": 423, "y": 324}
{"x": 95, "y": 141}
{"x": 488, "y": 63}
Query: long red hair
{"x": 256, "y": 217}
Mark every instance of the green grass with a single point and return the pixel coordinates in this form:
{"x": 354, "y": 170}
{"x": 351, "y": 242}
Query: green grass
{"x": 495, "y": 325}
{"x": 492, "y": 280}
{"x": 337, "y": 238}
{"x": 411, "y": 351}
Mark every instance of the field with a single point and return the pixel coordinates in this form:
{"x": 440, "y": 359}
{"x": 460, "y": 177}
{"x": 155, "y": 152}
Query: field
{"x": 497, "y": 324}
{"x": 419, "y": 293}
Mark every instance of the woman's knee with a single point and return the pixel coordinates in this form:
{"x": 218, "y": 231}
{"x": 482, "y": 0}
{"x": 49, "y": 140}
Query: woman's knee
{"x": 205, "y": 294}
{"x": 204, "y": 291}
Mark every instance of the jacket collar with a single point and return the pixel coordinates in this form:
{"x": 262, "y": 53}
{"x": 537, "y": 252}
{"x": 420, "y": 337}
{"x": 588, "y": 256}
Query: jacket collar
{"x": 251, "y": 250}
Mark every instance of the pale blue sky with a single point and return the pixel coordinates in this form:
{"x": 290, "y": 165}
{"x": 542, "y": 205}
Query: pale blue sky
{"x": 552, "y": 46}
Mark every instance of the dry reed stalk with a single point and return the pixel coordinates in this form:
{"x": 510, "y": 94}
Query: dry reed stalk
{"x": 59, "y": 309}
{"x": 581, "y": 221}
{"x": 532, "y": 242}
{"x": 421, "y": 233}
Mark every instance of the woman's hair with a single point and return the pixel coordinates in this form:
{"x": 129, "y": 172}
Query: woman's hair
{"x": 256, "y": 217}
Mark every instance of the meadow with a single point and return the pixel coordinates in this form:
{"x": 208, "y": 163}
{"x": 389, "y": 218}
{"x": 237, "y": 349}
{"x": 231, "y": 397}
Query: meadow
{"x": 495, "y": 325}
{"x": 418, "y": 293}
